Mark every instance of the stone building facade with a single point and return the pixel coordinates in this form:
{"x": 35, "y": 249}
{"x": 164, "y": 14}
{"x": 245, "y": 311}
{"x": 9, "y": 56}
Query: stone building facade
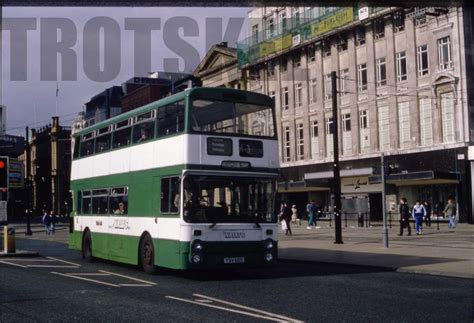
{"x": 404, "y": 88}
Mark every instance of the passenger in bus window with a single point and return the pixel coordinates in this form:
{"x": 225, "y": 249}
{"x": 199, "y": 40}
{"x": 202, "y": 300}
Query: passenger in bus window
{"x": 121, "y": 209}
{"x": 144, "y": 134}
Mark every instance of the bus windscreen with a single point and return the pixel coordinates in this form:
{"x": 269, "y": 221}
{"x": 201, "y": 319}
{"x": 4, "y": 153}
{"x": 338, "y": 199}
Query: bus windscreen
{"x": 213, "y": 116}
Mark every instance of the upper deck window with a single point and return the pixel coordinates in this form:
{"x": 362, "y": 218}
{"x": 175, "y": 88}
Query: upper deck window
{"x": 232, "y": 117}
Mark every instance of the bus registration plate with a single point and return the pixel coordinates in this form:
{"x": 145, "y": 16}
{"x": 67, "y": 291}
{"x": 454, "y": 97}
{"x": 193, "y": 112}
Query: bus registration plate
{"x": 234, "y": 260}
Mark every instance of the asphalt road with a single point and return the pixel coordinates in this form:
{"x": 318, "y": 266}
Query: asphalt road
{"x": 60, "y": 286}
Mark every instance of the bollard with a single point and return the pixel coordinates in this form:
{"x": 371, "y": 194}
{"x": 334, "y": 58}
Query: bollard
{"x": 366, "y": 220}
{"x": 360, "y": 220}
{"x": 390, "y": 219}
{"x": 9, "y": 239}
{"x": 437, "y": 222}
{"x": 330, "y": 219}
{"x": 345, "y": 219}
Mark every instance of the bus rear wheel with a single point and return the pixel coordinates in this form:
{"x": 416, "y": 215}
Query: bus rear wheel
{"x": 147, "y": 255}
{"x": 87, "y": 246}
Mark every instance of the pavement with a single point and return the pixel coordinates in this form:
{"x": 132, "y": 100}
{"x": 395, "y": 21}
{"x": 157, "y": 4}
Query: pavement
{"x": 443, "y": 252}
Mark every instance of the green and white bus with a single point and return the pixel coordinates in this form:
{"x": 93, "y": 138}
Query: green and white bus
{"x": 184, "y": 182}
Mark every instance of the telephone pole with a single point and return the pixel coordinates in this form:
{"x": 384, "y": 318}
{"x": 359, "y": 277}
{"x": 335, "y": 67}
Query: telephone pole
{"x": 336, "y": 168}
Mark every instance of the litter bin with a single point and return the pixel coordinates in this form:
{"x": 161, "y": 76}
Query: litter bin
{"x": 9, "y": 239}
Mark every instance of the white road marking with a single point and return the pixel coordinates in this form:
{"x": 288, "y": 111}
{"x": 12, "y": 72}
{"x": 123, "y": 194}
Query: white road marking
{"x": 128, "y": 277}
{"x": 12, "y": 264}
{"x": 87, "y": 279}
{"x": 50, "y": 266}
{"x": 203, "y": 301}
{"x": 88, "y": 274}
{"x": 284, "y": 318}
{"x": 66, "y": 262}
{"x": 31, "y": 260}
{"x": 136, "y": 285}
{"x": 226, "y": 309}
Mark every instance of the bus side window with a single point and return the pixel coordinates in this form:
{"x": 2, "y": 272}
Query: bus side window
{"x": 118, "y": 200}
{"x": 79, "y": 202}
{"x": 143, "y": 131}
{"x": 87, "y": 147}
{"x": 121, "y": 138}
{"x": 170, "y": 194}
{"x": 102, "y": 143}
{"x": 170, "y": 119}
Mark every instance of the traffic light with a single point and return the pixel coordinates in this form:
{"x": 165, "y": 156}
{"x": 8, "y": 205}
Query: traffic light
{"x": 3, "y": 173}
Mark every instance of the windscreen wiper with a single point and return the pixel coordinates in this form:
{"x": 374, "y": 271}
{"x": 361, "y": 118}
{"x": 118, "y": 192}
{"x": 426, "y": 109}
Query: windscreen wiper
{"x": 212, "y": 225}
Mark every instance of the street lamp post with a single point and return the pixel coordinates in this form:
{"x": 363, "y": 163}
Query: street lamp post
{"x": 384, "y": 215}
{"x": 336, "y": 168}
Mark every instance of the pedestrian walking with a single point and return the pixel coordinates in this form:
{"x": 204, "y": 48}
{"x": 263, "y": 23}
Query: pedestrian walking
{"x": 287, "y": 218}
{"x": 294, "y": 214}
{"x": 427, "y": 206}
{"x": 47, "y": 222}
{"x": 404, "y": 216}
{"x": 450, "y": 212}
{"x": 54, "y": 221}
{"x": 418, "y": 212}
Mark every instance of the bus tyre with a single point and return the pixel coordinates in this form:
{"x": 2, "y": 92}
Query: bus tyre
{"x": 87, "y": 246}
{"x": 147, "y": 255}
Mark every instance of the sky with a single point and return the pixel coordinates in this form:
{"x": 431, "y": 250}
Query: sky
{"x": 100, "y": 51}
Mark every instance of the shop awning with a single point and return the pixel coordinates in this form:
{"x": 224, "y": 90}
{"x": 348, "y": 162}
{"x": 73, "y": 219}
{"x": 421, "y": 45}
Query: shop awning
{"x": 417, "y": 178}
{"x": 299, "y": 187}
{"x": 343, "y": 173}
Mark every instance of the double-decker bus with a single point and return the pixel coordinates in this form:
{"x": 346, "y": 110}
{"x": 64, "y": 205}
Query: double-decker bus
{"x": 184, "y": 182}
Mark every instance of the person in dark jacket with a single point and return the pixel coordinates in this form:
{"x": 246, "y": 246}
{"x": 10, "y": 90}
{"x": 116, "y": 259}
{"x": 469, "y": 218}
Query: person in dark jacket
{"x": 427, "y": 206}
{"x": 287, "y": 218}
{"x": 404, "y": 216}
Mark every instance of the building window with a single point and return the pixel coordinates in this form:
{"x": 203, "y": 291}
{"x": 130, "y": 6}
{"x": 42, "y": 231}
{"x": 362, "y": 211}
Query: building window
{"x": 297, "y": 59}
{"x": 343, "y": 77}
{"x": 327, "y": 87}
{"x": 284, "y": 98}
{"x": 362, "y": 77}
{"x": 381, "y": 72}
{"x": 360, "y": 36}
{"x": 312, "y": 91}
{"x": 299, "y": 94}
{"x": 404, "y": 124}
{"x": 342, "y": 44}
{"x": 401, "y": 59}
{"x": 364, "y": 130}
{"x": 329, "y": 136}
{"x": 314, "y": 140}
{"x": 271, "y": 94}
{"x": 284, "y": 64}
{"x": 426, "y": 122}
{"x": 270, "y": 69}
{"x": 384, "y": 128}
{"x": 444, "y": 53}
{"x": 299, "y": 141}
{"x": 346, "y": 134}
{"x": 286, "y": 145}
{"x": 282, "y": 19}
{"x": 296, "y": 16}
{"x": 270, "y": 28}
{"x": 311, "y": 54}
{"x": 255, "y": 34}
{"x": 326, "y": 48}
{"x": 398, "y": 21}
{"x": 422, "y": 60}
{"x": 379, "y": 28}
{"x": 447, "y": 116}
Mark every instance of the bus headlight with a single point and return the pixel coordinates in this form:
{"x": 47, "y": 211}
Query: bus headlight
{"x": 196, "y": 246}
{"x": 268, "y": 257}
{"x": 268, "y": 244}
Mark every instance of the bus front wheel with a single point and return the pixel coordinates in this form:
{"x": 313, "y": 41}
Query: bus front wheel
{"x": 87, "y": 246}
{"x": 147, "y": 255}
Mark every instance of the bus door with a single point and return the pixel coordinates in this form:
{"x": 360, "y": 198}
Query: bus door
{"x": 118, "y": 225}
